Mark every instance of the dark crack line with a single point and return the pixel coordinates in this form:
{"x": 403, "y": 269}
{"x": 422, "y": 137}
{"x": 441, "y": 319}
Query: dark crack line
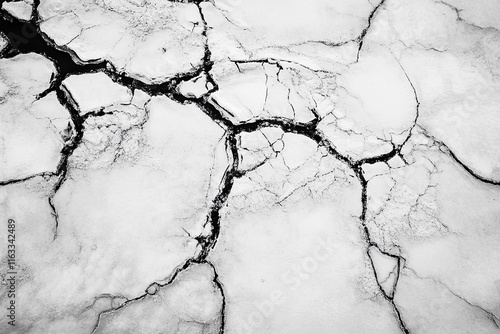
{"x": 177, "y": 271}
{"x": 359, "y": 40}
{"x": 208, "y": 242}
{"x": 401, "y": 261}
{"x": 62, "y": 169}
{"x": 38, "y": 44}
{"x": 169, "y": 89}
{"x": 27, "y": 178}
{"x": 219, "y": 285}
{"x": 105, "y": 295}
{"x": 26, "y": 37}
{"x": 362, "y": 36}
{"x": 396, "y": 149}
{"x": 389, "y": 298}
{"x": 274, "y": 61}
{"x": 440, "y": 143}
{"x": 467, "y": 168}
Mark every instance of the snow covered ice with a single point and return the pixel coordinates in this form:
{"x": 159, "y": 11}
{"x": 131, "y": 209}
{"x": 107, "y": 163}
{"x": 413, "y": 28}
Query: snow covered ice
{"x": 238, "y": 167}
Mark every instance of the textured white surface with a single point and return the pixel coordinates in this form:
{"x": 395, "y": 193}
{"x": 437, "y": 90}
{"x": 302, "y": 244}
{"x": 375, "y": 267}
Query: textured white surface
{"x": 238, "y": 167}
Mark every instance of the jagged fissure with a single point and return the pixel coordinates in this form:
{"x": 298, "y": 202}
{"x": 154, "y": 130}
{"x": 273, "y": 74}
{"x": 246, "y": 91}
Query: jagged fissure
{"x": 62, "y": 169}
{"x": 26, "y": 37}
{"x": 207, "y": 243}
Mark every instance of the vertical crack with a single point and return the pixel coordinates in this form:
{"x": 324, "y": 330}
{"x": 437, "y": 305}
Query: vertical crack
{"x": 213, "y": 219}
{"x": 362, "y": 36}
{"x": 219, "y": 285}
{"x": 400, "y": 260}
{"x": 68, "y": 149}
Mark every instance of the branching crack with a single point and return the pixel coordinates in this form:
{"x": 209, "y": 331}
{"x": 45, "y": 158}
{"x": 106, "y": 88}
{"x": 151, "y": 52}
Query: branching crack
{"x": 65, "y": 64}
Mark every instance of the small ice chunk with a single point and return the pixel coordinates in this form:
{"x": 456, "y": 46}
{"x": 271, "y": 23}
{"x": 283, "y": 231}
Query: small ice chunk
{"x": 95, "y": 91}
{"x": 3, "y": 42}
{"x": 196, "y": 87}
{"x": 386, "y": 267}
{"x": 19, "y": 9}
{"x": 396, "y": 162}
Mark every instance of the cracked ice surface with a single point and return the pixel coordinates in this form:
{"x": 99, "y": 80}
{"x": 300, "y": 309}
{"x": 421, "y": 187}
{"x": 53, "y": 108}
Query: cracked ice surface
{"x": 290, "y": 227}
{"x": 31, "y": 127}
{"x": 150, "y": 40}
{"x": 234, "y": 166}
{"x": 190, "y": 304}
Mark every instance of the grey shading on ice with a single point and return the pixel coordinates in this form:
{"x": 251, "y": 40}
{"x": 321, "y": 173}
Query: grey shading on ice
{"x": 237, "y": 166}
